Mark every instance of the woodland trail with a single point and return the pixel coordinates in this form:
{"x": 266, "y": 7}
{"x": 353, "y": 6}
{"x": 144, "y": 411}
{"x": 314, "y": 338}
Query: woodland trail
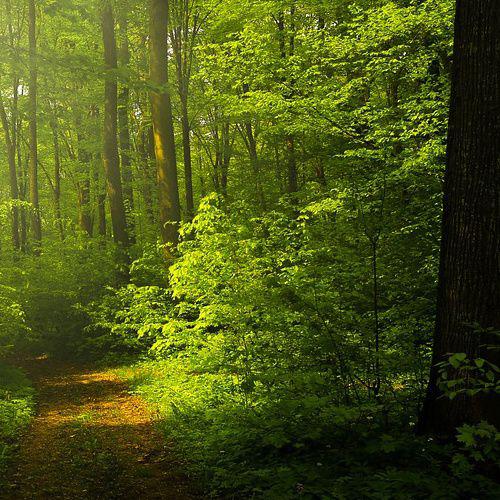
{"x": 90, "y": 439}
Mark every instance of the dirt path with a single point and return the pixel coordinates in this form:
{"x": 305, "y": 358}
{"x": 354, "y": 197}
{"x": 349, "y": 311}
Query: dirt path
{"x": 90, "y": 440}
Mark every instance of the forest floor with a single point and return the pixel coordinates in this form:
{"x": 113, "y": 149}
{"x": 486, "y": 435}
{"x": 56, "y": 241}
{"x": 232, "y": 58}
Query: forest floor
{"x": 91, "y": 439}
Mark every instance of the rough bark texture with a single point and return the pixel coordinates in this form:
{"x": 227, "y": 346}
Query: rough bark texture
{"x": 469, "y": 280}
{"x": 161, "y": 109}
{"x": 36, "y": 222}
{"x": 110, "y": 152}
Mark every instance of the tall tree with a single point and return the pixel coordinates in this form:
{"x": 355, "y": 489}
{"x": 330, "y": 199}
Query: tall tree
{"x": 187, "y": 21}
{"x": 123, "y": 122}
{"x": 57, "y": 172}
{"x": 83, "y": 182}
{"x": 111, "y": 158}
{"x": 164, "y": 139}
{"x": 14, "y": 189}
{"x": 469, "y": 278}
{"x": 33, "y": 132}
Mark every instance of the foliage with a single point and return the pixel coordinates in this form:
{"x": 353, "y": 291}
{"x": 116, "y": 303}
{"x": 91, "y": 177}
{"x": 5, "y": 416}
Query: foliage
{"x": 16, "y": 409}
{"x": 269, "y": 383}
{"x": 43, "y": 296}
{"x": 299, "y": 446}
{"x": 287, "y": 345}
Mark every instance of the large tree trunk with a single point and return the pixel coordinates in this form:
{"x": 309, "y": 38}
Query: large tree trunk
{"x": 469, "y": 278}
{"x": 110, "y": 152}
{"x": 161, "y": 109}
{"x": 33, "y": 144}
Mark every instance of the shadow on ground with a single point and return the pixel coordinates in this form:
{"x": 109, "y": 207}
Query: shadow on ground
{"x": 91, "y": 439}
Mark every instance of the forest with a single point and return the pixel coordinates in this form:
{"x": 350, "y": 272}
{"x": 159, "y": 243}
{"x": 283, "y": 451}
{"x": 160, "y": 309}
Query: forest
{"x": 249, "y": 249}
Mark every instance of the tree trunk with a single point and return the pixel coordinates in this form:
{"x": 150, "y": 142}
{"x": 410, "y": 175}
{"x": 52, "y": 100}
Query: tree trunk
{"x": 292, "y": 175}
{"x": 146, "y": 157}
{"x": 111, "y": 158}
{"x": 292, "y": 184}
{"x": 164, "y": 140}
{"x": 22, "y": 174}
{"x": 14, "y": 189}
{"x": 33, "y": 140}
{"x": 469, "y": 276}
{"x": 124, "y": 126}
{"x": 83, "y": 184}
{"x": 226, "y": 157}
{"x": 57, "y": 175}
{"x": 186, "y": 146}
{"x": 100, "y": 202}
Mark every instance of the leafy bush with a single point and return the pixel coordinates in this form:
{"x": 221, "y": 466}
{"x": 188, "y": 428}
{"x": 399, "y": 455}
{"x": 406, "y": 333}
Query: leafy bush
{"x": 16, "y": 410}
{"x": 307, "y": 447}
{"x": 45, "y": 295}
{"x": 13, "y": 327}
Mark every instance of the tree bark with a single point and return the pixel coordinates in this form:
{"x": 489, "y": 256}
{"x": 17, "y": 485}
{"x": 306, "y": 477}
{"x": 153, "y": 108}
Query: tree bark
{"x": 57, "y": 175}
{"x": 33, "y": 139}
{"x": 147, "y": 155}
{"x": 292, "y": 174}
{"x": 124, "y": 126}
{"x": 163, "y": 127}
{"x": 83, "y": 184}
{"x": 111, "y": 158}
{"x": 469, "y": 277}
{"x": 186, "y": 147}
{"x": 14, "y": 189}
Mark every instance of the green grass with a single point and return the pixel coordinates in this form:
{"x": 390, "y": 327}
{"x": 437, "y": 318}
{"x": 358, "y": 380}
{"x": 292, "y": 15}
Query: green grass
{"x": 16, "y": 410}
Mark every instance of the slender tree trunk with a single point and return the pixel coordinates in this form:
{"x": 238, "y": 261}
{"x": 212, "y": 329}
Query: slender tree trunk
{"x": 14, "y": 190}
{"x": 292, "y": 184}
{"x": 111, "y": 158}
{"x": 22, "y": 174}
{"x": 251, "y": 144}
{"x": 33, "y": 140}
{"x": 469, "y": 276}
{"x": 101, "y": 214}
{"x": 146, "y": 158}
{"x": 320, "y": 172}
{"x": 226, "y": 157}
{"x": 124, "y": 127}
{"x": 57, "y": 175}
{"x": 100, "y": 202}
{"x": 186, "y": 146}
{"x": 83, "y": 184}
{"x": 292, "y": 174}
{"x": 161, "y": 109}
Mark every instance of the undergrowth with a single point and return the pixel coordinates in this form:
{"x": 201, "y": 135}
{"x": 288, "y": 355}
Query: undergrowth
{"x": 16, "y": 410}
{"x": 295, "y": 448}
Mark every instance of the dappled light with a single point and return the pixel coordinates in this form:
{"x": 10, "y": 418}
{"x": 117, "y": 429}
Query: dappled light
{"x": 91, "y": 437}
{"x": 249, "y": 249}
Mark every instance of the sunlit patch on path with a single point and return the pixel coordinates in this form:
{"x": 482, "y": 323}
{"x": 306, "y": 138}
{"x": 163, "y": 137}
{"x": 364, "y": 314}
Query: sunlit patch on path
{"x": 91, "y": 439}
